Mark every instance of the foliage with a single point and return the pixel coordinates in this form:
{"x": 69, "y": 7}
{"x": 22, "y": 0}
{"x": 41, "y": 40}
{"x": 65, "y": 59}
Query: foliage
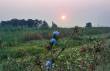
{"x": 89, "y": 25}
{"x": 24, "y": 23}
{"x": 19, "y": 47}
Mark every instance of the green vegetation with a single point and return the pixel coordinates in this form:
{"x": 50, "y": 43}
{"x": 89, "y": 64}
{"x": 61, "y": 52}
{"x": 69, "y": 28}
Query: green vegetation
{"x": 20, "y": 46}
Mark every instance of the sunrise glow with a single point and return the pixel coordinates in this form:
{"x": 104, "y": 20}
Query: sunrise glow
{"x": 63, "y": 17}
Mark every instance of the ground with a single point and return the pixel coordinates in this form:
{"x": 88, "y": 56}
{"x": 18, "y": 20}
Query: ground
{"x": 21, "y": 56}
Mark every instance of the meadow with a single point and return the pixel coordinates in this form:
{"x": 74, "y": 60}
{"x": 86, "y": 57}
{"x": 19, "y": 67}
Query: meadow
{"x": 86, "y": 49}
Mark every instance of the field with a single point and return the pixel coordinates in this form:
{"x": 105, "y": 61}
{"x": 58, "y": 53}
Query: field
{"x": 87, "y": 49}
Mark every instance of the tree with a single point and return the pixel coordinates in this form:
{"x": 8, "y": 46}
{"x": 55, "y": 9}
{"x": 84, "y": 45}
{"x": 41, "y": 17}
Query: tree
{"x": 77, "y": 30}
{"x": 44, "y": 25}
{"x": 54, "y": 26}
{"x": 89, "y": 25}
{"x": 36, "y": 23}
{"x": 24, "y": 23}
{"x": 14, "y": 22}
{"x": 30, "y": 22}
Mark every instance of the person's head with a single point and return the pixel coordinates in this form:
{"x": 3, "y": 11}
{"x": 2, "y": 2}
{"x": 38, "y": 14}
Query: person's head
{"x": 56, "y": 35}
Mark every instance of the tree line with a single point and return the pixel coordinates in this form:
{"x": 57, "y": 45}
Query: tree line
{"x": 27, "y": 23}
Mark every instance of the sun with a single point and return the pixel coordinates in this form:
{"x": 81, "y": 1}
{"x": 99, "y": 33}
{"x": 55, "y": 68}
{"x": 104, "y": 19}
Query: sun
{"x": 63, "y": 17}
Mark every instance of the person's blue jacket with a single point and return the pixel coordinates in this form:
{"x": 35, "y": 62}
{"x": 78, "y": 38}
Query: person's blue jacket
{"x": 53, "y": 41}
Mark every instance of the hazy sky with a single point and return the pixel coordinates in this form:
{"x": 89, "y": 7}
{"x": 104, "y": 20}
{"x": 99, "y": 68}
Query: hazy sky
{"x": 77, "y": 12}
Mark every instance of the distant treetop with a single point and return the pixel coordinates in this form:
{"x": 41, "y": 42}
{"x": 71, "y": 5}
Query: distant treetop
{"x": 89, "y": 25}
{"x": 27, "y": 23}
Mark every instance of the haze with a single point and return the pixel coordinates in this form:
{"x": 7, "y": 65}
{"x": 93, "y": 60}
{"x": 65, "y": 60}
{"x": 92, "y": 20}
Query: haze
{"x": 77, "y": 12}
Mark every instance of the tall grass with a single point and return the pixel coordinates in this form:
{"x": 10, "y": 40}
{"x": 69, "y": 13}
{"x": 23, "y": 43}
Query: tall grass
{"x": 19, "y": 46}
